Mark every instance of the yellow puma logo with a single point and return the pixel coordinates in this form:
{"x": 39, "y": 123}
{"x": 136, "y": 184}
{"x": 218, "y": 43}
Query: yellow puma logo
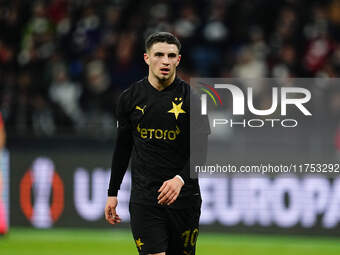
{"x": 141, "y": 109}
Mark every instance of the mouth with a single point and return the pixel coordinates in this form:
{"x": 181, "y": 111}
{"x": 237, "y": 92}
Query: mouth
{"x": 165, "y": 70}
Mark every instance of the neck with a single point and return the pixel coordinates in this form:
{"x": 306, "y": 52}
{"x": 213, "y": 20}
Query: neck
{"x": 159, "y": 84}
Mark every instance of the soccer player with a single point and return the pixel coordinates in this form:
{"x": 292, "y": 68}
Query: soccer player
{"x": 153, "y": 126}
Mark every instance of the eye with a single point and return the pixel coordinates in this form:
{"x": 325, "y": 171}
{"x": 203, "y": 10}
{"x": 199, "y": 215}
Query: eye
{"x": 172, "y": 55}
{"x": 158, "y": 54}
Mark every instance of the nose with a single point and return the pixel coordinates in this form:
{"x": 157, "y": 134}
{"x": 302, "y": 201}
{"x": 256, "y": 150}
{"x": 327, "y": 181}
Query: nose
{"x": 165, "y": 60}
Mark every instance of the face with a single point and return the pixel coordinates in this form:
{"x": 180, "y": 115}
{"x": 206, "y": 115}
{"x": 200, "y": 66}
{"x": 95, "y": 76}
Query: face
{"x": 162, "y": 58}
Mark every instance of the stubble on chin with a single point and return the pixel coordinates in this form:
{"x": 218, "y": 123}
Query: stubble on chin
{"x": 162, "y": 78}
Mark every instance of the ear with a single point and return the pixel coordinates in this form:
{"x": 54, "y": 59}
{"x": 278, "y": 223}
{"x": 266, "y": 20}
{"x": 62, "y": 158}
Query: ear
{"x": 146, "y": 58}
{"x": 178, "y": 60}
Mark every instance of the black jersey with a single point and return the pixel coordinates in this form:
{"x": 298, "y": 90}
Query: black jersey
{"x": 155, "y": 126}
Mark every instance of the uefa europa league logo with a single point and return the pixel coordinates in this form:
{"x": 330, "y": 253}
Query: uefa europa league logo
{"x": 48, "y": 194}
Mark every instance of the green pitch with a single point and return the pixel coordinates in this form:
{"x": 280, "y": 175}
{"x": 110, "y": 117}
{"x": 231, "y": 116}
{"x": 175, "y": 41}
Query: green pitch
{"x": 22, "y": 241}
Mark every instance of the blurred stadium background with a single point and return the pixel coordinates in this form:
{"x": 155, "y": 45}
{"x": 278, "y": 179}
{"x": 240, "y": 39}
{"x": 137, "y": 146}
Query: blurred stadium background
{"x": 62, "y": 65}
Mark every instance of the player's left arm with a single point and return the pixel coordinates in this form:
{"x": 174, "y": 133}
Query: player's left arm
{"x": 170, "y": 189}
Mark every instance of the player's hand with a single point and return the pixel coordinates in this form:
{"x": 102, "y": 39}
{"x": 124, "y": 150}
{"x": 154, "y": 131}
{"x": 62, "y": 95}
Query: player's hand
{"x": 169, "y": 191}
{"x": 110, "y": 211}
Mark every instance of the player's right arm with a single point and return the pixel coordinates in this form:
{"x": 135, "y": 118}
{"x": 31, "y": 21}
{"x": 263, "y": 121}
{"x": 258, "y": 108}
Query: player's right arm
{"x": 110, "y": 210}
{"x": 120, "y": 159}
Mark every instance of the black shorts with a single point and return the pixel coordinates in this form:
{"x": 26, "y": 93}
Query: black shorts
{"x": 164, "y": 229}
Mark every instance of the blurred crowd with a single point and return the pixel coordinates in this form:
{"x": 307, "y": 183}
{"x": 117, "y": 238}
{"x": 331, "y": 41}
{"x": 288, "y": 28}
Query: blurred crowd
{"x": 63, "y": 62}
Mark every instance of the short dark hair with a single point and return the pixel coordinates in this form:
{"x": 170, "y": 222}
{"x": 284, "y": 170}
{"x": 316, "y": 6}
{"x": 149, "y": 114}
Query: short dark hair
{"x": 161, "y": 37}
